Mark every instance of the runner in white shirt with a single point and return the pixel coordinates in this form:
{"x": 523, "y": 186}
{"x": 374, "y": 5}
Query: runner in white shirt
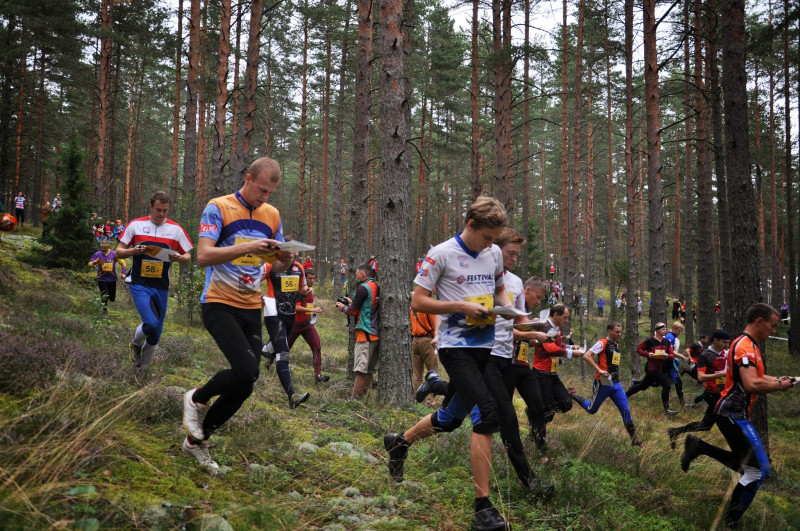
{"x": 466, "y": 272}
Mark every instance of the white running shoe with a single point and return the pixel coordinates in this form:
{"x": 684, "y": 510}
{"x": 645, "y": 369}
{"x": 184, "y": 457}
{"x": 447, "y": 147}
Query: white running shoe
{"x": 193, "y": 414}
{"x": 199, "y": 452}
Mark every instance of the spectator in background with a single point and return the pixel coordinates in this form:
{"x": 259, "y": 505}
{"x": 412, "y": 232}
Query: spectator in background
{"x": 785, "y": 312}
{"x": 308, "y": 263}
{"x": 19, "y": 208}
{"x": 365, "y": 306}
{"x": 601, "y": 303}
{"x": 57, "y": 203}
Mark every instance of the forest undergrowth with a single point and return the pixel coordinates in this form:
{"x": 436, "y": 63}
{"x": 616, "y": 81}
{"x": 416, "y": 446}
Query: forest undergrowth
{"x": 86, "y": 443}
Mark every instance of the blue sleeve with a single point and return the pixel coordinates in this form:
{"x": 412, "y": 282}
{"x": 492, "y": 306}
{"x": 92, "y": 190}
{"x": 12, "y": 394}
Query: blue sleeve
{"x": 210, "y": 223}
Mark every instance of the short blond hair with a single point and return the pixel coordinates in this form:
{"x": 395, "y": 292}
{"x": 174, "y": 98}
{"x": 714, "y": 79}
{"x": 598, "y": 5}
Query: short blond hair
{"x": 266, "y": 166}
{"x": 486, "y": 212}
{"x": 677, "y": 324}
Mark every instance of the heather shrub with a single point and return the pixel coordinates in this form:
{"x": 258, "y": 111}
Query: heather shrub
{"x": 35, "y": 360}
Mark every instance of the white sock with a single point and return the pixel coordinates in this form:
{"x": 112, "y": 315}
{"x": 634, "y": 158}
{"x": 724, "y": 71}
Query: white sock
{"x": 138, "y": 336}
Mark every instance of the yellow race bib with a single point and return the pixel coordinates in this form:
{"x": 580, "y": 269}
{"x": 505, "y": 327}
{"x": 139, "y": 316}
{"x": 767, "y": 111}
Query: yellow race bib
{"x": 152, "y": 269}
{"x": 615, "y": 358}
{"x": 554, "y": 362}
{"x": 248, "y": 259}
{"x": 521, "y": 352}
{"x": 487, "y": 301}
{"x": 289, "y": 284}
{"x": 720, "y": 381}
{"x": 108, "y": 267}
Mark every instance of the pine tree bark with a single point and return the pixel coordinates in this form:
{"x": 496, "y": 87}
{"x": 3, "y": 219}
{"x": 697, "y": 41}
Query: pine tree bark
{"x": 503, "y": 70}
{"x": 221, "y": 102}
{"x": 475, "y": 161}
{"x": 777, "y": 295}
{"x": 723, "y": 214}
{"x": 526, "y": 140}
{"x": 794, "y": 303}
{"x": 631, "y": 189}
{"x": 654, "y": 185}
{"x": 245, "y": 135}
{"x": 337, "y": 227}
{"x": 301, "y": 203}
{"x": 611, "y": 241}
{"x": 573, "y": 211}
{"x": 565, "y": 191}
{"x": 394, "y": 385}
{"x": 176, "y": 110}
{"x": 104, "y": 96}
{"x": 737, "y": 158}
{"x": 186, "y": 197}
{"x": 705, "y": 265}
{"x": 687, "y": 239}
{"x": 359, "y": 206}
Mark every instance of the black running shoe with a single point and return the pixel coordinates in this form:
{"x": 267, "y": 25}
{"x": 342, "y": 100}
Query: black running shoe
{"x": 691, "y": 449}
{"x": 425, "y": 389}
{"x": 489, "y": 520}
{"x": 397, "y": 448}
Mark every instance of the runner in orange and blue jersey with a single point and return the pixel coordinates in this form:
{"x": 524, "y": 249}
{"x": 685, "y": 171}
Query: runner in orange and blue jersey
{"x": 237, "y": 232}
{"x": 745, "y": 381}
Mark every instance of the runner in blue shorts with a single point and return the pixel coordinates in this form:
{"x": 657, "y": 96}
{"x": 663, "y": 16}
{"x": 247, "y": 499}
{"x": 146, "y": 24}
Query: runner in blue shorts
{"x": 154, "y": 242}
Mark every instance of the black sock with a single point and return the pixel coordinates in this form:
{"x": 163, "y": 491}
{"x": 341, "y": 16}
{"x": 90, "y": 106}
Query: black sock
{"x": 481, "y": 504}
{"x": 193, "y": 441}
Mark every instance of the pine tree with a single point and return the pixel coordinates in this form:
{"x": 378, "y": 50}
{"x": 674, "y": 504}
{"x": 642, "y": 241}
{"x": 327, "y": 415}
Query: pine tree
{"x": 68, "y": 230}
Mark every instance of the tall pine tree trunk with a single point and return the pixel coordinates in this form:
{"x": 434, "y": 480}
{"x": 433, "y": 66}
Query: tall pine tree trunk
{"x": 176, "y": 110}
{"x": 394, "y": 384}
{"x": 301, "y": 200}
{"x": 186, "y": 198}
{"x": 654, "y": 190}
{"x": 339, "y": 221}
{"x": 705, "y": 264}
{"x": 245, "y": 135}
{"x": 221, "y": 102}
{"x": 475, "y": 160}
{"x": 794, "y": 303}
{"x": 501, "y": 46}
{"x": 631, "y": 188}
{"x": 104, "y": 87}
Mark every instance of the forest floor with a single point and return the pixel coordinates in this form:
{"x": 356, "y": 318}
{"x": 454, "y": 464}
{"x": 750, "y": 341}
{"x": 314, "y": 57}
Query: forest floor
{"x": 86, "y": 444}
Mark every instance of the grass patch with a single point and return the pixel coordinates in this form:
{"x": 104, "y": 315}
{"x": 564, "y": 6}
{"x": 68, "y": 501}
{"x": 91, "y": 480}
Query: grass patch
{"x": 87, "y": 444}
